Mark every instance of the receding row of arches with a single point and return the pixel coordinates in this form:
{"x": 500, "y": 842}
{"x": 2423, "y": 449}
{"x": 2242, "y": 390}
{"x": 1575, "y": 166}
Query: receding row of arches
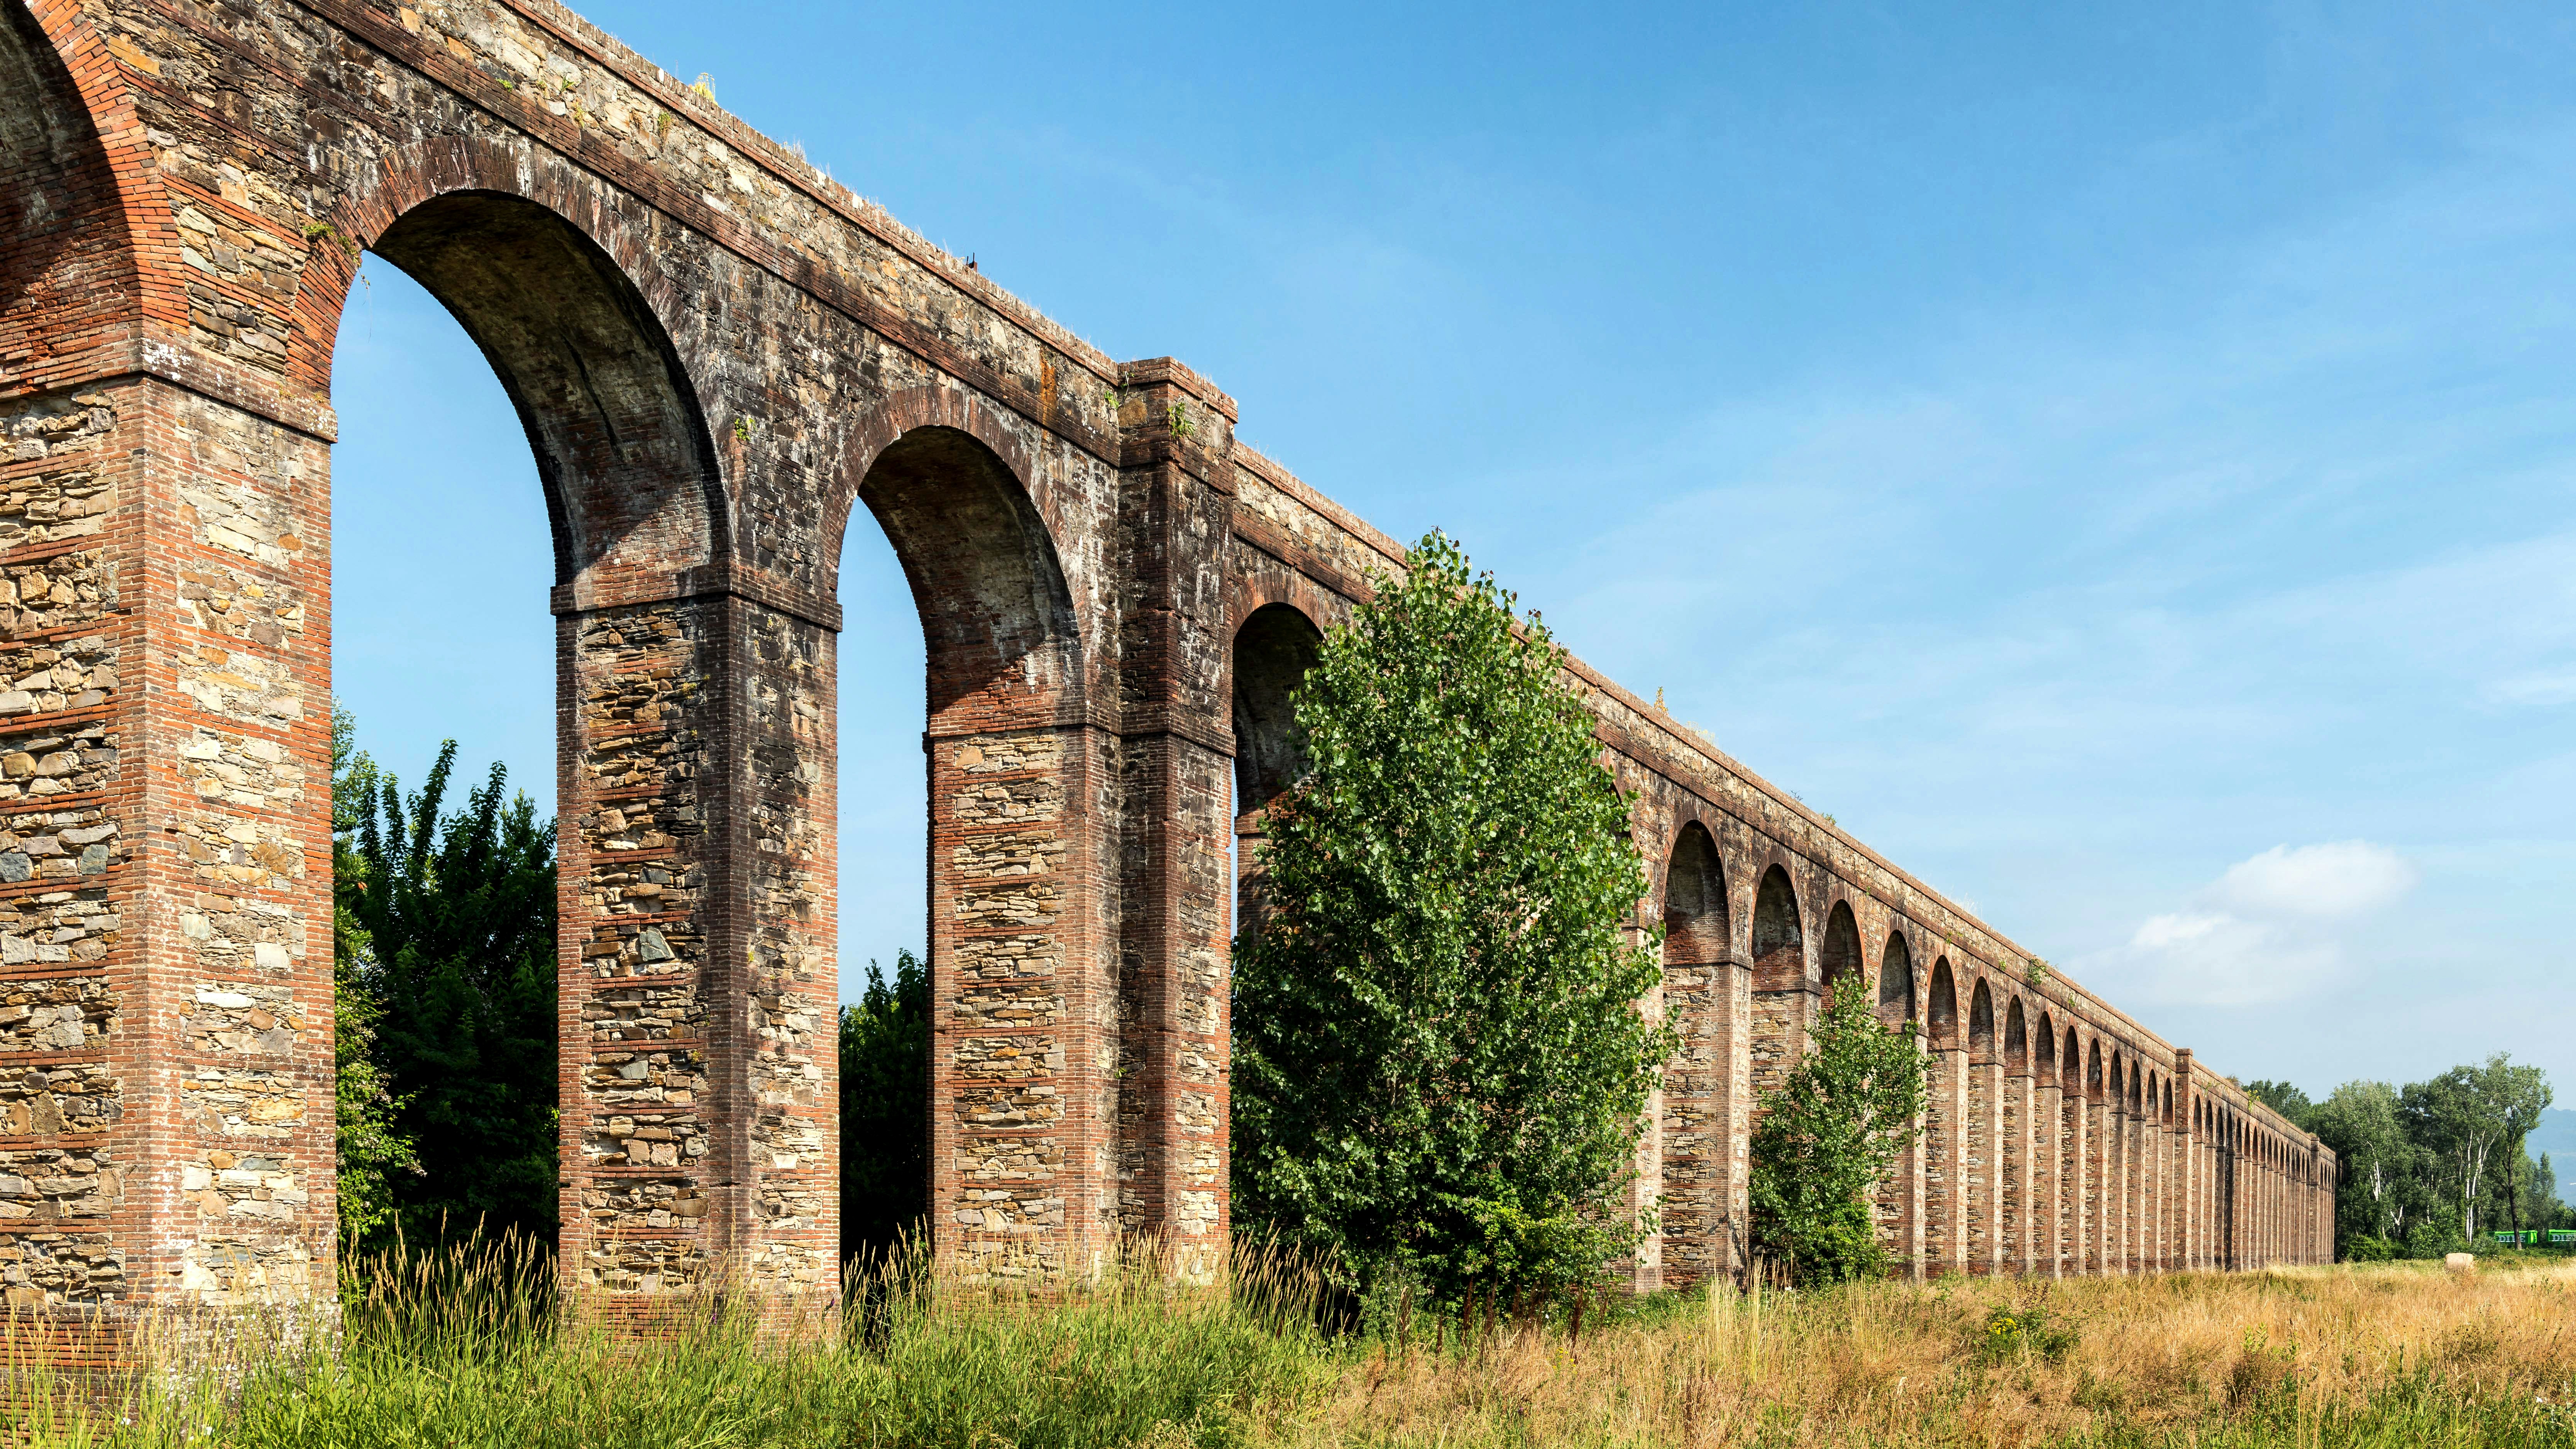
{"x": 2053, "y": 1144}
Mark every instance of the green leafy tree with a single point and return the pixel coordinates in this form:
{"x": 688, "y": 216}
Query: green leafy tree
{"x": 885, "y": 1107}
{"x": 1833, "y": 1129}
{"x": 2472, "y": 1121}
{"x": 2285, "y": 1099}
{"x": 373, "y": 1155}
{"x": 1440, "y": 1069}
{"x": 449, "y": 934}
{"x": 2382, "y": 1194}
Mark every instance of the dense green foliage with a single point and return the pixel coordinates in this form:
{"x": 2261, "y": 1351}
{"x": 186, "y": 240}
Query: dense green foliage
{"x": 2432, "y": 1167}
{"x": 1834, "y": 1128}
{"x": 885, "y": 1107}
{"x": 1440, "y": 1071}
{"x": 446, "y": 957}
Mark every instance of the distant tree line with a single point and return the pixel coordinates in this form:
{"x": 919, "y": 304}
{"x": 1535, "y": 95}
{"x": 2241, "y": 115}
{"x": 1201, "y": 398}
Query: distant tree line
{"x": 2436, "y": 1166}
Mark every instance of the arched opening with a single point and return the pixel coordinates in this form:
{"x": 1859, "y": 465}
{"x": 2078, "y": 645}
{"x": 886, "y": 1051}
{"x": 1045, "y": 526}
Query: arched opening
{"x": 2093, "y": 1073}
{"x": 1896, "y": 981}
{"x": 1698, "y": 943}
{"x": 67, "y": 249}
{"x": 2070, "y": 1065}
{"x": 2044, "y": 1064}
{"x": 2016, "y": 1040}
{"x": 1272, "y": 652}
{"x": 1780, "y": 1001}
{"x": 1981, "y": 1024}
{"x": 1696, "y": 932}
{"x": 1001, "y": 681}
{"x": 1942, "y": 1011}
{"x": 1841, "y": 959}
{"x": 626, "y": 461}
{"x": 479, "y": 310}
{"x": 1779, "y": 941}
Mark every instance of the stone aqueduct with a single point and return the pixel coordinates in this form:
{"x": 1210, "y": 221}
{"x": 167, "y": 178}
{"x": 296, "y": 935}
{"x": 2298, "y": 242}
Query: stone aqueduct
{"x": 719, "y": 356}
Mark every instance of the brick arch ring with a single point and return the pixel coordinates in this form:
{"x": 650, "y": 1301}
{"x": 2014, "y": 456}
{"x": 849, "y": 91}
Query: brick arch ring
{"x": 423, "y": 171}
{"x": 936, "y": 405}
{"x": 1251, "y": 592}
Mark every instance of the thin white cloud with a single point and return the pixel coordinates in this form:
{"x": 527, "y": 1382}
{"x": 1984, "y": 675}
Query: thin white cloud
{"x": 2269, "y": 929}
{"x": 2338, "y": 879}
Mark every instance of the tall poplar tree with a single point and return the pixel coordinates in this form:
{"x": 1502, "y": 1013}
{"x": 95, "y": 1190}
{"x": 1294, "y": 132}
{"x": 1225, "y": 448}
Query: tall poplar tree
{"x": 1440, "y": 1067}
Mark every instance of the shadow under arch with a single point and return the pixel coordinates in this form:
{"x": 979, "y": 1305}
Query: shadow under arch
{"x": 1272, "y": 652}
{"x": 1840, "y": 959}
{"x": 1696, "y": 929}
{"x": 1781, "y": 1005}
{"x": 63, "y": 246}
{"x": 997, "y": 617}
{"x": 1896, "y": 980}
{"x": 622, "y": 449}
{"x": 2016, "y": 1040}
{"x": 1981, "y": 1024}
{"x": 1779, "y": 941}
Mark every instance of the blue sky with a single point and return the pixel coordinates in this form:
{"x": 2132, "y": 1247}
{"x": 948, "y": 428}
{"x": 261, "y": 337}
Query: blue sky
{"x": 2118, "y": 460}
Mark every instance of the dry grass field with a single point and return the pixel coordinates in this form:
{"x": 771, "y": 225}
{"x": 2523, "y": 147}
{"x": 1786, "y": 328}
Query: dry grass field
{"x": 452, "y": 1355}
{"x": 2399, "y": 1354}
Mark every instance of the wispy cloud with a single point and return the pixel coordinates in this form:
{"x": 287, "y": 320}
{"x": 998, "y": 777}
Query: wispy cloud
{"x": 2273, "y": 928}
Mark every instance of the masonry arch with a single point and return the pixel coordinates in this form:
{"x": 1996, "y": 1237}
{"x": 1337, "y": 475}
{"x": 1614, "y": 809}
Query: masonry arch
{"x": 1840, "y": 958}
{"x": 2070, "y": 1065}
{"x": 2093, "y": 1073}
{"x": 1779, "y": 940}
{"x": 622, "y": 450}
{"x": 2016, "y": 1040}
{"x": 70, "y": 245}
{"x": 1896, "y": 980}
{"x": 1781, "y": 999}
{"x": 1981, "y": 1024}
{"x": 1273, "y": 649}
{"x": 1696, "y": 929}
{"x": 2045, "y": 1044}
{"x": 1942, "y": 1011}
{"x": 1272, "y": 652}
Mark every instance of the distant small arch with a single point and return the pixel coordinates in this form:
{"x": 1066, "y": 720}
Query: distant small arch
{"x": 2016, "y": 1040}
{"x": 1981, "y": 1024}
{"x": 2070, "y": 1064}
{"x": 1896, "y": 980}
{"x": 1941, "y": 1009}
{"x": 1696, "y": 932}
{"x": 1841, "y": 954}
{"x": 2093, "y": 1072}
{"x": 1779, "y": 941}
{"x": 2045, "y": 1064}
